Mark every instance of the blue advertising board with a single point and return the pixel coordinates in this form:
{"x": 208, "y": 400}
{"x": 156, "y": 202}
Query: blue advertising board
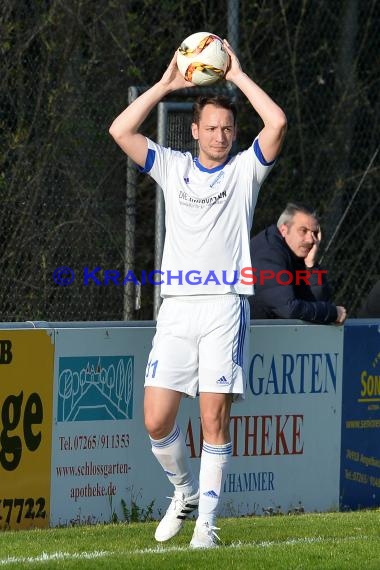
{"x": 360, "y": 449}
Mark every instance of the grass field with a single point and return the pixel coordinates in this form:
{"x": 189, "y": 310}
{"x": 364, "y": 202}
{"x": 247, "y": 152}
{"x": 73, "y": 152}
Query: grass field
{"x": 309, "y": 541}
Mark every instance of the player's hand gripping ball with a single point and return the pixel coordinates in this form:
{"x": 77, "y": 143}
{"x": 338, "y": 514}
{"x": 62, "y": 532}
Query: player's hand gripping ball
{"x": 202, "y": 59}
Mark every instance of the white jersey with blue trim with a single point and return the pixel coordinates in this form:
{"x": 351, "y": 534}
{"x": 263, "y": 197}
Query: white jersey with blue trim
{"x": 208, "y": 217}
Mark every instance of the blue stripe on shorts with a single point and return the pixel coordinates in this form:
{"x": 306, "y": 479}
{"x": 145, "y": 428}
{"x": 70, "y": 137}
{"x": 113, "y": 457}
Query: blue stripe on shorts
{"x": 239, "y": 350}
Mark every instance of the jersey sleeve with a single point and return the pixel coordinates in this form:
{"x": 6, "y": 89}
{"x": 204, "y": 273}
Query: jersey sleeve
{"x": 157, "y": 163}
{"x": 262, "y": 167}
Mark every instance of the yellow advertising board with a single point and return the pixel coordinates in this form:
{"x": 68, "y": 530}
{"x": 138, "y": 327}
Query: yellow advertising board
{"x": 26, "y": 392}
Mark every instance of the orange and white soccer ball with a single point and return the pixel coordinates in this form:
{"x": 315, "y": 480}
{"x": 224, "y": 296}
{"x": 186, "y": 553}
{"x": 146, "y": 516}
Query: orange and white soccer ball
{"x": 202, "y": 59}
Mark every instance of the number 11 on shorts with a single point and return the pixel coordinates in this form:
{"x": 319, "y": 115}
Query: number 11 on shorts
{"x": 151, "y": 368}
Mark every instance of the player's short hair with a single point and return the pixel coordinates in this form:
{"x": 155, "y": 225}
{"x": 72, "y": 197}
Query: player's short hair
{"x": 218, "y": 101}
{"x": 291, "y": 209}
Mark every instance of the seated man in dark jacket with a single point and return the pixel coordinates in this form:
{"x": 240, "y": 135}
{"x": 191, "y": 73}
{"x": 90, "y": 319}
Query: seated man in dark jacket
{"x": 289, "y": 282}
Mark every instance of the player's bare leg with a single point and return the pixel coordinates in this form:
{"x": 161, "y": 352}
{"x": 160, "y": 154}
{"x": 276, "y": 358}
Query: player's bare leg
{"x": 168, "y": 446}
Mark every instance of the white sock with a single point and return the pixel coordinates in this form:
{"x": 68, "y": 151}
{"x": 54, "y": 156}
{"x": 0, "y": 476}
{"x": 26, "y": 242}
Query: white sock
{"x": 214, "y": 462}
{"x": 171, "y": 454}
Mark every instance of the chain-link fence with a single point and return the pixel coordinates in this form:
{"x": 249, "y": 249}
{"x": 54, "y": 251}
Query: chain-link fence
{"x": 67, "y": 66}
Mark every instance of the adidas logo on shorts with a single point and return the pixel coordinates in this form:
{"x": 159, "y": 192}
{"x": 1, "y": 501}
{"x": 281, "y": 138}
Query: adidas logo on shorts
{"x": 222, "y": 381}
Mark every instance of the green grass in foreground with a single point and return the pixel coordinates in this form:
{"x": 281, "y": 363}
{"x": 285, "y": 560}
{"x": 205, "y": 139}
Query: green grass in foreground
{"x": 324, "y": 541}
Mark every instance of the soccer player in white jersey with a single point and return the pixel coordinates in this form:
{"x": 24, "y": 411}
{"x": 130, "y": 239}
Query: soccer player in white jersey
{"x": 201, "y": 338}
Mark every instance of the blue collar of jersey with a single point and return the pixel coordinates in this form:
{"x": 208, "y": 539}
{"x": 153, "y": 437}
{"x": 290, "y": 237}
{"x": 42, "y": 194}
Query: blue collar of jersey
{"x": 210, "y": 170}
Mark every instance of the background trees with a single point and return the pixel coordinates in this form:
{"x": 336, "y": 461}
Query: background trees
{"x": 66, "y": 69}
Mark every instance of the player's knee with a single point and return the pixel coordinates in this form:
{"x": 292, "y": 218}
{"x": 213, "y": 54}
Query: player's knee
{"x": 214, "y": 427}
{"x": 156, "y": 427}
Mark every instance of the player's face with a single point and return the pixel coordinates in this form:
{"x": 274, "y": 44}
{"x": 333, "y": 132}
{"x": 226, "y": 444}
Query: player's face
{"x": 215, "y": 134}
{"x": 301, "y": 234}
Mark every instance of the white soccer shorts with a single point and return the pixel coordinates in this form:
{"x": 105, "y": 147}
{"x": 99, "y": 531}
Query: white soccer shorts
{"x": 200, "y": 345}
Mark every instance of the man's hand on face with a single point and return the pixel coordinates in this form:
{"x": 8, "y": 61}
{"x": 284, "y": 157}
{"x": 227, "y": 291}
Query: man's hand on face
{"x": 311, "y": 258}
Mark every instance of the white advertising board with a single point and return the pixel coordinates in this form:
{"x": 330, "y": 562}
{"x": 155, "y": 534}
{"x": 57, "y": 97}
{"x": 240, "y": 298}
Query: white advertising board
{"x": 285, "y": 434}
{"x": 97, "y": 422}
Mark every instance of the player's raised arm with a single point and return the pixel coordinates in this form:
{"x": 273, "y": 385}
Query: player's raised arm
{"x": 125, "y": 128}
{"x": 273, "y": 117}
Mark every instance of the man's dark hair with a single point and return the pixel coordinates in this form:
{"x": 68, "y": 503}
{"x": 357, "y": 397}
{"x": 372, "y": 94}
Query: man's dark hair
{"x": 218, "y": 101}
{"x": 291, "y": 209}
